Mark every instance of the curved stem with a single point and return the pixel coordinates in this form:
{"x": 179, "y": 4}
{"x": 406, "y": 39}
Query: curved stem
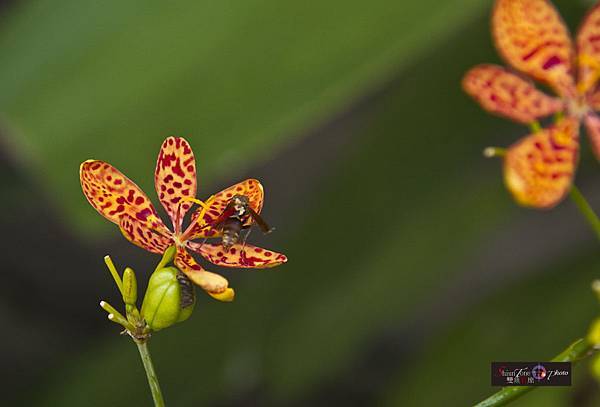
{"x": 150, "y": 373}
{"x": 166, "y": 258}
{"x": 585, "y": 208}
{"x": 574, "y": 353}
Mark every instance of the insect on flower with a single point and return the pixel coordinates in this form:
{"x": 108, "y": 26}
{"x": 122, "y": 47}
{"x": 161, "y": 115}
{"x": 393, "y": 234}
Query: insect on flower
{"x": 531, "y": 36}
{"x": 121, "y": 201}
{"x": 232, "y": 220}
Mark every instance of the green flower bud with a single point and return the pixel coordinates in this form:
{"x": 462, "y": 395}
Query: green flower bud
{"x": 593, "y": 335}
{"x": 595, "y": 367}
{"x": 170, "y": 298}
{"x": 129, "y": 287}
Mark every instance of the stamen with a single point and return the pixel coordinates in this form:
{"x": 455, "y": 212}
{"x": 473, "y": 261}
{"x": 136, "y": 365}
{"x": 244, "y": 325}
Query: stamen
{"x": 205, "y": 207}
{"x": 196, "y": 201}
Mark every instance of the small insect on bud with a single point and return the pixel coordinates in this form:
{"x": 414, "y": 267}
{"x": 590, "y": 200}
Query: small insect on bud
{"x": 170, "y": 298}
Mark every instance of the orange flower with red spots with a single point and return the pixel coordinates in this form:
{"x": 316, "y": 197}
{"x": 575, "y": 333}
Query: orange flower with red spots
{"x": 121, "y": 201}
{"x": 532, "y": 38}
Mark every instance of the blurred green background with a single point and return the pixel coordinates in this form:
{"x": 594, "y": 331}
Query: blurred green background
{"x": 410, "y": 269}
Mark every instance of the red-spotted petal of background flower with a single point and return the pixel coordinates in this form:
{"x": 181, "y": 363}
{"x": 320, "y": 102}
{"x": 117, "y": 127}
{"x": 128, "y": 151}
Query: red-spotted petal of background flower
{"x": 533, "y": 39}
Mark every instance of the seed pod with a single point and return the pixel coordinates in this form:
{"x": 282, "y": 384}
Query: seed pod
{"x": 169, "y": 298}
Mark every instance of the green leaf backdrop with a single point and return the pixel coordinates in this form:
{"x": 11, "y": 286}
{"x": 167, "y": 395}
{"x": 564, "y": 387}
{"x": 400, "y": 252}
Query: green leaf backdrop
{"x": 400, "y": 211}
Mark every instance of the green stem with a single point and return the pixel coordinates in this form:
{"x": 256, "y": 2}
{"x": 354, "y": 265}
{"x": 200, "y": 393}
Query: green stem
{"x": 150, "y": 373}
{"x": 577, "y": 350}
{"x": 585, "y": 208}
{"x": 167, "y": 257}
{"x": 574, "y": 353}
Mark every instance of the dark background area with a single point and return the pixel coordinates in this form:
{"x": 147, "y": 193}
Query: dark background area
{"x": 410, "y": 269}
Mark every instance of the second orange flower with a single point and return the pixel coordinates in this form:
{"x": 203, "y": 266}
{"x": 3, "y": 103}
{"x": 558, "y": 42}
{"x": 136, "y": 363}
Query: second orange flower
{"x": 531, "y": 36}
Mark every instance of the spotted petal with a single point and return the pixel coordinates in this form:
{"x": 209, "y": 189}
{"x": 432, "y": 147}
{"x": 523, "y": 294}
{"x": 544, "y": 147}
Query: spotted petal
{"x": 588, "y": 50}
{"x": 539, "y": 169}
{"x": 113, "y": 195}
{"x": 213, "y": 284}
{"x": 532, "y": 37}
{"x": 239, "y": 256}
{"x": 506, "y": 94}
{"x": 203, "y": 219}
{"x": 593, "y": 100}
{"x": 141, "y": 235}
{"x": 175, "y": 178}
{"x": 592, "y": 127}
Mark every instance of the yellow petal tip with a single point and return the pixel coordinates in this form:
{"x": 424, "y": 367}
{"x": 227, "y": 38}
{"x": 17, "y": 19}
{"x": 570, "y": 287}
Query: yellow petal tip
{"x": 226, "y": 296}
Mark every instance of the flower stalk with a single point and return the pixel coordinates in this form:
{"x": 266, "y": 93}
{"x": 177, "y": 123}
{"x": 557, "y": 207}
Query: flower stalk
{"x": 150, "y": 373}
{"x": 585, "y": 208}
{"x": 169, "y": 308}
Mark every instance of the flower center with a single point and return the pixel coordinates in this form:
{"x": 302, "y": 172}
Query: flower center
{"x": 577, "y": 107}
{"x": 177, "y": 240}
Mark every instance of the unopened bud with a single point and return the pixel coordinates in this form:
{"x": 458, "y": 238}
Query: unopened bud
{"x": 595, "y": 367}
{"x": 593, "y": 335}
{"x": 129, "y": 287}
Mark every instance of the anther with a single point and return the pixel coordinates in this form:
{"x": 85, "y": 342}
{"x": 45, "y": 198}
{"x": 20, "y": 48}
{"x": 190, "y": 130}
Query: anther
{"x": 196, "y": 201}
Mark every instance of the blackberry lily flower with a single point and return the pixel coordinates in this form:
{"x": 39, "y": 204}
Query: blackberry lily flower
{"x": 121, "y": 201}
{"x": 531, "y": 36}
